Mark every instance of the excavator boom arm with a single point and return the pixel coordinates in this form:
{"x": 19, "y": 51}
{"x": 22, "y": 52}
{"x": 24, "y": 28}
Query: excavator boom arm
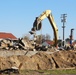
{"x": 48, "y": 14}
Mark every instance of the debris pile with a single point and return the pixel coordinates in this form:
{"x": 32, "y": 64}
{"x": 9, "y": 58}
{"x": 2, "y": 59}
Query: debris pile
{"x": 8, "y": 44}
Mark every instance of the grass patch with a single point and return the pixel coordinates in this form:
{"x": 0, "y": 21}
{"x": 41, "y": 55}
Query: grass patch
{"x": 46, "y": 72}
{"x": 73, "y": 71}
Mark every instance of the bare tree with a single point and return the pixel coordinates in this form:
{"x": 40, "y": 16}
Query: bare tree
{"x": 39, "y": 39}
{"x": 48, "y": 37}
{"x": 27, "y": 37}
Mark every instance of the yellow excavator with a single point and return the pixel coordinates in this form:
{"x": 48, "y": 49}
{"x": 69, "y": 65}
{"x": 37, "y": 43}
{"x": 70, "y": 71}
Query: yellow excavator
{"x": 37, "y": 24}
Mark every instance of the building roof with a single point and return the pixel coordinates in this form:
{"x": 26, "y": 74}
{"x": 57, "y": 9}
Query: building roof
{"x": 50, "y": 42}
{"x": 4, "y": 35}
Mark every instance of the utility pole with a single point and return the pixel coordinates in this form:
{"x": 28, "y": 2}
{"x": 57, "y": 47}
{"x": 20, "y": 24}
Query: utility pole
{"x": 63, "y": 20}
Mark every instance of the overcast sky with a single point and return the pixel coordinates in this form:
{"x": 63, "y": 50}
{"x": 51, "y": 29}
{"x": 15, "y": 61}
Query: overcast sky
{"x": 17, "y": 16}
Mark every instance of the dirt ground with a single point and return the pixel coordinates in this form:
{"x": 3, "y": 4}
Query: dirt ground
{"x": 41, "y": 60}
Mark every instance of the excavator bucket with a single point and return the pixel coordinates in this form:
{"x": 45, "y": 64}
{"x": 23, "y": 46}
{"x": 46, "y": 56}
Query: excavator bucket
{"x": 37, "y": 25}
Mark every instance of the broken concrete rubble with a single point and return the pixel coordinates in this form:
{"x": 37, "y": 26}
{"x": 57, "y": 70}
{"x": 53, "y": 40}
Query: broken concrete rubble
{"x": 9, "y": 44}
{"x": 21, "y": 44}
